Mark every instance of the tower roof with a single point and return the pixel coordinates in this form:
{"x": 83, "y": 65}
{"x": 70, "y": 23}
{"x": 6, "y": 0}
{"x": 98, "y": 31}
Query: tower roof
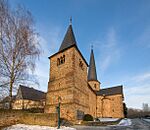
{"x": 92, "y": 68}
{"x": 68, "y": 42}
{"x": 69, "y": 39}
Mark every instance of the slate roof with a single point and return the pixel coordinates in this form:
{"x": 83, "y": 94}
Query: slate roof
{"x": 69, "y": 39}
{"x": 92, "y": 75}
{"x": 31, "y": 93}
{"x": 110, "y": 91}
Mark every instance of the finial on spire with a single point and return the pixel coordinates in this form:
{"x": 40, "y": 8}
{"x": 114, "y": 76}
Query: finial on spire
{"x": 92, "y": 46}
{"x": 70, "y": 20}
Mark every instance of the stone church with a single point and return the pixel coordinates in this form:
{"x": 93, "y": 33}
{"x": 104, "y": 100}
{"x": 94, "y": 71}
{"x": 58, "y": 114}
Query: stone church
{"x": 75, "y": 82}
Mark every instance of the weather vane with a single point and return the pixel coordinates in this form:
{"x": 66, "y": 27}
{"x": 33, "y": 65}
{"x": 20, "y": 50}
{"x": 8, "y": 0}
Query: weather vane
{"x": 70, "y": 20}
{"x": 92, "y": 46}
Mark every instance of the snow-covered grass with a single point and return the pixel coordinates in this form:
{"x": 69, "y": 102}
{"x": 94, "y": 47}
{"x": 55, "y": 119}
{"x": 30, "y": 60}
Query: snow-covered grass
{"x": 35, "y": 127}
{"x": 125, "y": 122}
{"x": 108, "y": 119}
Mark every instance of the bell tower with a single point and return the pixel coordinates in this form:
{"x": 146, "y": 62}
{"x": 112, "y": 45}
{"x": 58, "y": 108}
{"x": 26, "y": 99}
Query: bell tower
{"x": 68, "y": 79}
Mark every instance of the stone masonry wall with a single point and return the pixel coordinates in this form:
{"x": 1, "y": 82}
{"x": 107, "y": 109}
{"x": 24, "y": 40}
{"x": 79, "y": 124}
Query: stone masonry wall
{"x": 11, "y": 117}
{"x": 110, "y": 106}
{"x": 92, "y": 103}
{"x": 95, "y": 85}
{"x": 61, "y": 84}
{"x": 81, "y": 91}
{"x": 27, "y": 104}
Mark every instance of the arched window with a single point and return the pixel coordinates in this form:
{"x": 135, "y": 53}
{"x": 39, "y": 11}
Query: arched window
{"x": 64, "y": 58}
{"x": 95, "y": 85}
{"x": 81, "y": 64}
{"x": 58, "y": 61}
{"x": 61, "y": 60}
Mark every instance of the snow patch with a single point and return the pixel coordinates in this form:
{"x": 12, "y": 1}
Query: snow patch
{"x": 125, "y": 122}
{"x": 107, "y": 119}
{"x": 145, "y": 119}
{"x": 35, "y": 127}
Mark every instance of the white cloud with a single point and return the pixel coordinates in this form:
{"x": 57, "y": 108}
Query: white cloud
{"x": 144, "y": 38}
{"x": 142, "y": 77}
{"x": 135, "y": 96}
{"x": 110, "y": 51}
{"x": 106, "y": 62}
{"x": 50, "y": 43}
{"x": 137, "y": 90}
{"x": 138, "y": 79}
{"x": 49, "y": 46}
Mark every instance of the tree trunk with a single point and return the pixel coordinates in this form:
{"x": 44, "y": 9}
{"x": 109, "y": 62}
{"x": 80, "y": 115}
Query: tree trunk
{"x": 10, "y": 95}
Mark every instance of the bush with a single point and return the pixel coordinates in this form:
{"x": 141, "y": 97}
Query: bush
{"x": 97, "y": 119}
{"x": 87, "y": 117}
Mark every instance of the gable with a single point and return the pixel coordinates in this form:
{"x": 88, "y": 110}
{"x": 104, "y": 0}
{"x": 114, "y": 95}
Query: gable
{"x": 19, "y": 94}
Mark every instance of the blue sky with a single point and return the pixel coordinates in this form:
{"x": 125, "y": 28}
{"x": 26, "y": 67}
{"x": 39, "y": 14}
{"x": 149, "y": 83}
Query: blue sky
{"x": 119, "y": 31}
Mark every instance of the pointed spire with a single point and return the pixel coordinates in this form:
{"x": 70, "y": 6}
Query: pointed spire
{"x": 92, "y": 68}
{"x": 69, "y": 39}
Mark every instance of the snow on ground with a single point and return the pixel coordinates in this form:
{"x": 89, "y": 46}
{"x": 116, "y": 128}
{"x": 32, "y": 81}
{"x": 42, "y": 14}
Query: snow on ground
{"x": 107, "y": 119}
{"x": 146, "y": 119}
{"x": 35, "y": 127}
{"x": 125, "y": 122}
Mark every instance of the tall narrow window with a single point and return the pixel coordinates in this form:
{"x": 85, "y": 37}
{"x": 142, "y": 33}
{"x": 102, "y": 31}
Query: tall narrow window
{"x": 64, "y": 58}
{"x": 58, "y": 61}
{"x": 61, "y": 60}
{"x": 81, "y": 64}
{"x": 95, "y": 85}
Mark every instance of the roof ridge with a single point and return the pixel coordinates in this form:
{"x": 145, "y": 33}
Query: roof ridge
{"x": 22, "y": 86}
{"x": 113, "y": 87}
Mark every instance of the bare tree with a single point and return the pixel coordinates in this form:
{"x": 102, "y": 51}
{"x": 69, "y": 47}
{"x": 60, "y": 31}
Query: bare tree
{"x": 19, "y": 46}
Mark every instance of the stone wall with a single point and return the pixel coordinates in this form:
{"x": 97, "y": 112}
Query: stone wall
{"x": 92, "y": 103}
{"x": 110, "y": 106}
{"x": 27, "y": 104}
{"x": 81, "y": 95}
{"x": 11, "y": 117}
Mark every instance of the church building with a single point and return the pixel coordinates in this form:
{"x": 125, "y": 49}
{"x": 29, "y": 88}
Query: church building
{"x": 73, "y": 82}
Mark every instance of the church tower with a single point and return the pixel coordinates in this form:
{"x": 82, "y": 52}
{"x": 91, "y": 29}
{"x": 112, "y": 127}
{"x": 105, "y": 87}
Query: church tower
{"x": 92, "y": 75}
{"x": 68, "y": 80}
